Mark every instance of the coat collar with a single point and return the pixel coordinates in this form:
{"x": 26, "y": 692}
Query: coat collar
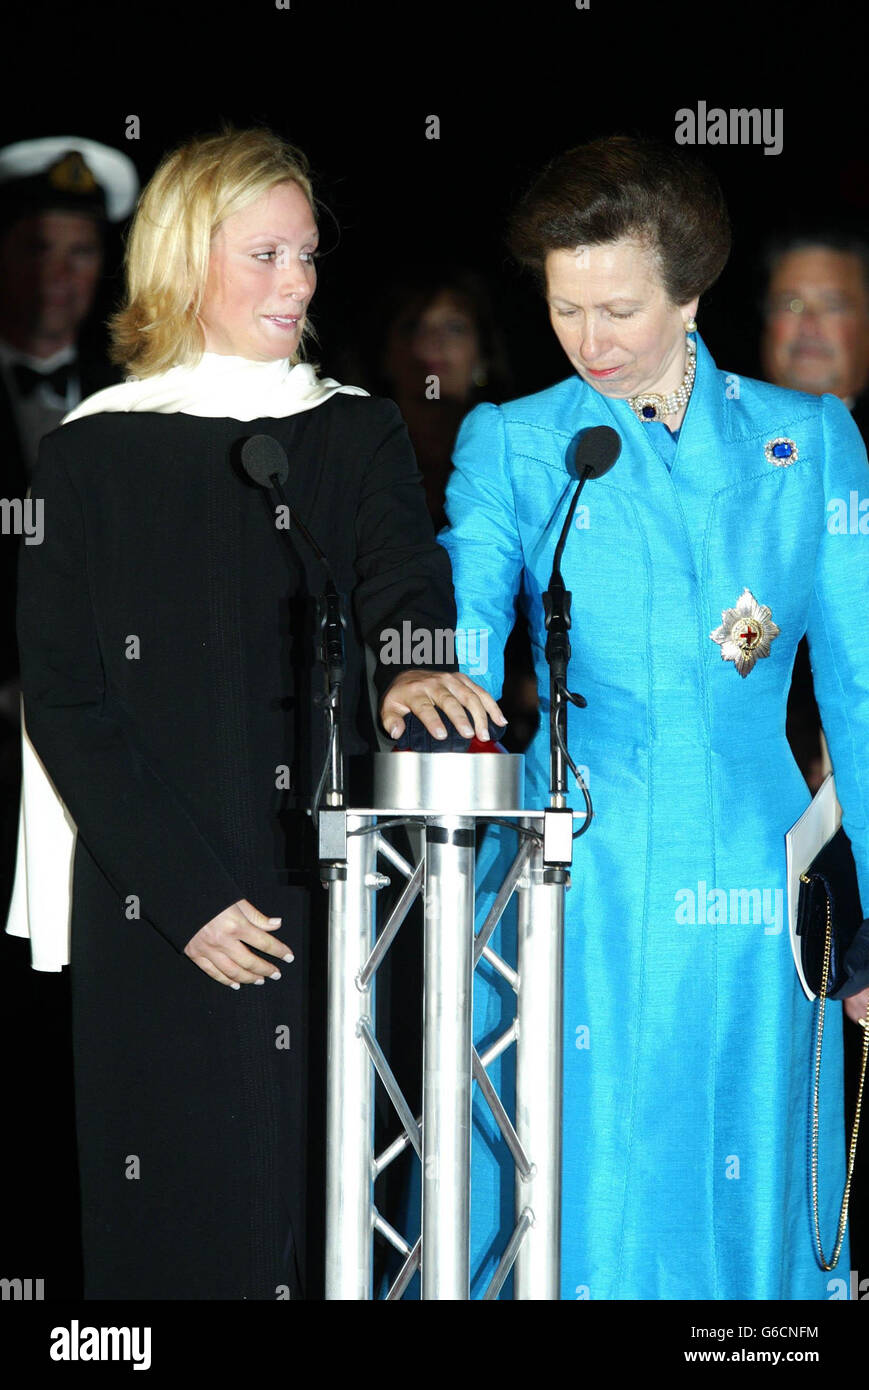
{"x": 704, "y": 419}
{"x": 544, "y": 427}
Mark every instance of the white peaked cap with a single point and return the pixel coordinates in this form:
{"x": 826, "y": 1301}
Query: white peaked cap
{"x": 114, "y": 172}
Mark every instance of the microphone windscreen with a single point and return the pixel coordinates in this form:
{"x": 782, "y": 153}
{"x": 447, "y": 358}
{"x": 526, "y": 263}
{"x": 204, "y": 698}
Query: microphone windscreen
{"x": 262, "y": 458}
{"x": 594, "y": 451}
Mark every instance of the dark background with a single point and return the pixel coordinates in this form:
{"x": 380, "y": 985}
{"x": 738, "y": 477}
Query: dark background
{"x": 512, "y": 84}
{"x": 352, "y": 85}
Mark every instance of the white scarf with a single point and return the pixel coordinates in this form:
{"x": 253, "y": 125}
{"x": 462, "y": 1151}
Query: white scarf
{"x": 217, "y": 387}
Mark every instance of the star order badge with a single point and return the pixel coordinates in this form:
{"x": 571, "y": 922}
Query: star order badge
{"x": 746, "y": 632}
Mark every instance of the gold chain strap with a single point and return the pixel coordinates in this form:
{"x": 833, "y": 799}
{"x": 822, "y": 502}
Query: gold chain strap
{"x": 852, "y": 1148}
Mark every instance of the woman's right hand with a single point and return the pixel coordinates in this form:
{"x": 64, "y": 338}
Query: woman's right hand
{"x": 220, "y": 948}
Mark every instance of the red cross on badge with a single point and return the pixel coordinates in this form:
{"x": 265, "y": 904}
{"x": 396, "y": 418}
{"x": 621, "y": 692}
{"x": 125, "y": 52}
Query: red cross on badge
{"x": 746, "y": 632}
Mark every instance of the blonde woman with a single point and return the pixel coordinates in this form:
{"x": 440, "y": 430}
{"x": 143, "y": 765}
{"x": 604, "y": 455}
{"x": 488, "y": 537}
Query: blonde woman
{"x": 168, "y": 678}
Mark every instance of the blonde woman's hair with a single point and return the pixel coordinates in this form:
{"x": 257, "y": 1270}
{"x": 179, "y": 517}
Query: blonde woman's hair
{"x": 194, "y": 189}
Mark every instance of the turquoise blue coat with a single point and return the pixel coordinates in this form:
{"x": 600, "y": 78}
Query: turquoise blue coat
{"x": 687, "y": 1039}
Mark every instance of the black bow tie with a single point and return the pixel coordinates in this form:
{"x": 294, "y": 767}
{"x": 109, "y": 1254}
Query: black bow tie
{"x": 28, "y": 380}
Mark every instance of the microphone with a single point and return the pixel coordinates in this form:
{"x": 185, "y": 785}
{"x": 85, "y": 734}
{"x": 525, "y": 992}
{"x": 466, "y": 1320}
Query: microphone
{"x": 591, "y": 453}
{"x": 264, "y": 461}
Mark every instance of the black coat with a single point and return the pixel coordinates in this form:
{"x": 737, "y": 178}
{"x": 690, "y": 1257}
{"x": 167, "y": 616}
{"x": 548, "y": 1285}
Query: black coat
{"x": 166, "y": 641}
{"x": 93, "y": 374}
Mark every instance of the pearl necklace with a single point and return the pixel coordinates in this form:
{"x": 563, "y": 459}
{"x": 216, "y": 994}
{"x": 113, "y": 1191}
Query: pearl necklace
{"x": 652, "y": 407}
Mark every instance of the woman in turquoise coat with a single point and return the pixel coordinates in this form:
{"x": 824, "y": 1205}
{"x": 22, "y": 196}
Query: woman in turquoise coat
{"x": 696, "y": 565}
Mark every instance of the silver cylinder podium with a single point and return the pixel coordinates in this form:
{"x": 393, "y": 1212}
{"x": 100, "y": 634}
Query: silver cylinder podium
{"x": 442, "y": 797}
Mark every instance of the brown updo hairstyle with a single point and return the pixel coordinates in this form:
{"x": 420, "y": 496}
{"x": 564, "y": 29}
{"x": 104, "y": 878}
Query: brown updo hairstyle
{"x": 623, "y": 186}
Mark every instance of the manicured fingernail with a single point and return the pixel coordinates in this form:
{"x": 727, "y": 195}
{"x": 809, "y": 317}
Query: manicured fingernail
{"x": 275, "y": 976}
{"x": 467, "y": 731}
{"x": 289, "y": 956}
{"x": 440, "y": 733}
{"x": 502, "y": 720}
{"x": 261, "y": 981}
{"x": 275, "y": 921}
{"x": 395, "y": 731}
{"x": 484, "y": 738}
{"x": 235, "y": 986}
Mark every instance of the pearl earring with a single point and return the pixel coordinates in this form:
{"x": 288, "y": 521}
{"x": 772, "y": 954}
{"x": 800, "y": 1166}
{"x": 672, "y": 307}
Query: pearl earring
{"x": 691, "y": 326}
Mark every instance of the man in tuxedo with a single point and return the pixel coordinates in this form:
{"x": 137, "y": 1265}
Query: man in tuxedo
{"x": 816, "y": 339}
{"x": 57, "y": 196}
{"x": 816, "y": 317}
{"x": 57, "y": 199}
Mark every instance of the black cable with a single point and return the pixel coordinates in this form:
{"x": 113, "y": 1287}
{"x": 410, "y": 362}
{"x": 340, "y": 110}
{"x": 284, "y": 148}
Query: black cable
{"x": 387, "y": 824}
{"x": 528, "y": 831}
{"x": 333, "y": 733}
{"x": 562, "y": 744}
